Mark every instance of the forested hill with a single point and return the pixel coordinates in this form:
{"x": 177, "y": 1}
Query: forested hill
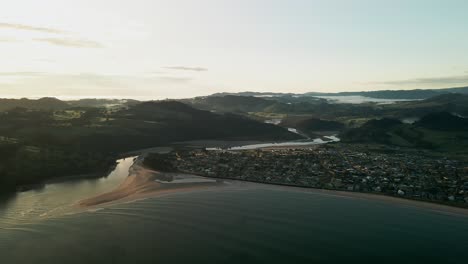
{"x": 85, "y": 140}
{"x": 175, "y": 121}
{"x": 232, "y": 103}
{"x": 142, "y": 125}
{"x": 46, "y": 103}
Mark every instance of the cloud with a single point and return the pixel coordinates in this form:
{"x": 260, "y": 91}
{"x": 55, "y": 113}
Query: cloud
{"x": 94, "y": 84}
{"x": 8, "y": 40}
{"x": 21, "y": 74}
{"x": 156, "y": 72}
{"x": 96, "y": 78}
{"x": 45, "y": 60}
{"x": 72, "y": 43}
{"x": 446, "y": 80}
{"x": 174, "y": 79}
{"x": 184, "y": 68}
{"x": 31, "y": 28}
{"x": 64, "y": 42}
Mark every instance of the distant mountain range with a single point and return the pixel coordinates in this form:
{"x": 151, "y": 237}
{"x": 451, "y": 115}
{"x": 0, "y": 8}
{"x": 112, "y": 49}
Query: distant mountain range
{"x": 241, "y": 101}
{"x": 385, "y": 94}
{"x": 52, "y": 103}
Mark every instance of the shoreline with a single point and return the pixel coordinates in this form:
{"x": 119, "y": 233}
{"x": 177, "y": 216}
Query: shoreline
{"x": 429, "y": 206}
{"x": 359, "y": 195}
{"x": 143, "y": 183}
{"x": 62, "y": 179}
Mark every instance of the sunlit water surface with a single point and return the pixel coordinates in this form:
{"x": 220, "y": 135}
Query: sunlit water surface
{"x": 57, "y": 198}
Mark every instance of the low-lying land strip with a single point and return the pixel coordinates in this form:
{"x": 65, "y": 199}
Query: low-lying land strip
{"x": 350, "y": 167}
{"x": 143, "y": 182}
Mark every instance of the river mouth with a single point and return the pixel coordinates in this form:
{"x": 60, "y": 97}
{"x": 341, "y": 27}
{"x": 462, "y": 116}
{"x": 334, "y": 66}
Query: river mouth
{"x": 56, "y": 199}
{"x": 230, "y": 223}
{"x": 296, "y": 143}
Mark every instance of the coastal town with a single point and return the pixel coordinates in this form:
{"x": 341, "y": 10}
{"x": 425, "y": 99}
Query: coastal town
{"x": 352, "y": 168}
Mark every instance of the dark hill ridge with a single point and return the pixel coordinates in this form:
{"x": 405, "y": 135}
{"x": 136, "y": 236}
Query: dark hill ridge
{"x": 440, "y": 131}
{"x": 231, "y": 103}
{"x": 385, "y": 94}
{"x": 165, "y": 110}
{"x": 52, "y": 103}
{"x": 384, "y": 123}
{"x": 247, "y": 104}
{"x": 400, "y": 94}
{"x": 446, "y": 98}
{"x": 176, "y": 121}
{"x": 143, "y": 125}
{"x": 452, "y": 103}
{"x": 443, "y": 121}
{"x": 46, "y": 103}
{"x": 94, "y": 102}
{"x": 374, "y": 131}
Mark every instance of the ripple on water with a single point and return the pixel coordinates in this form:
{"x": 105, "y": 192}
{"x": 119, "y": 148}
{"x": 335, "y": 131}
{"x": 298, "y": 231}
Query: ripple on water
{"x": 56, "y": 199}
{"x": 248, "y": 226}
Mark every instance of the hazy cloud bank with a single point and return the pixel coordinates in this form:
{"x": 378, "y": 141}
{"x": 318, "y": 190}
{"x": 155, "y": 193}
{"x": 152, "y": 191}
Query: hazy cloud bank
{"x": 185, "y": 68}
{"x": 445, "y": 80}
{"x": 66, "y": 42}
{"x": 31, "y": 28}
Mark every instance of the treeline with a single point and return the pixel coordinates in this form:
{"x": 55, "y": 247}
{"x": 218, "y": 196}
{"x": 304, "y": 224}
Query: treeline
{"x": 442, "y": 131}
{"x": 25, "y": 165}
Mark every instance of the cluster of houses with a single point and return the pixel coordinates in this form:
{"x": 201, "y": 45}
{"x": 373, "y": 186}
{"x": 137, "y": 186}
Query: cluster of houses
{"x": 409, "y": 175}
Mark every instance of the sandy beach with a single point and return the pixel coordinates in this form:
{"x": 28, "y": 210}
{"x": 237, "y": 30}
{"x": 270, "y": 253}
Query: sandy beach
{"x": 144, "y": 183}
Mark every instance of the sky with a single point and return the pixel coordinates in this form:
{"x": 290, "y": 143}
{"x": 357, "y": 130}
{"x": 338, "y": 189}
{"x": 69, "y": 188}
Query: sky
{"x": 184, "y": 48}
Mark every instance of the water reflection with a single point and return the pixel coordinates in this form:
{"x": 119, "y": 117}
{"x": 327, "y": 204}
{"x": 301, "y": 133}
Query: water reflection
{"x": 57, "y": 198}
{"x": 309, "y": 142}
{"x": 5, "y": 201}
{"x": 358, "y": 99}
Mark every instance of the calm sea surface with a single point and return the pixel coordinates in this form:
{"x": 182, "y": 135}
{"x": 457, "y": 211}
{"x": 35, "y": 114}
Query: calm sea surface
{"x": 258, "y": 224}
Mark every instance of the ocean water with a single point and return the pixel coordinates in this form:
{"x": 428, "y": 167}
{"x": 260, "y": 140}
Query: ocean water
{"x": 242, "y": 225}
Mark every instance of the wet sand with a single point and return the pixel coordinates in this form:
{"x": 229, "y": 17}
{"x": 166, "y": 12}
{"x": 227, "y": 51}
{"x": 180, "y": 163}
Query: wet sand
{"x": 145, "y": 183}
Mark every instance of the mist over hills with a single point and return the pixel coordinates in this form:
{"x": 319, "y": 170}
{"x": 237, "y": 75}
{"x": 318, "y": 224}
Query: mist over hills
{"x": 383, "y": 94}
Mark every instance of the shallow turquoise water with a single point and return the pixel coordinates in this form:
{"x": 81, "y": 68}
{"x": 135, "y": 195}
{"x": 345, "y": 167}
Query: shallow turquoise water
{"x": 263, "y": 225}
